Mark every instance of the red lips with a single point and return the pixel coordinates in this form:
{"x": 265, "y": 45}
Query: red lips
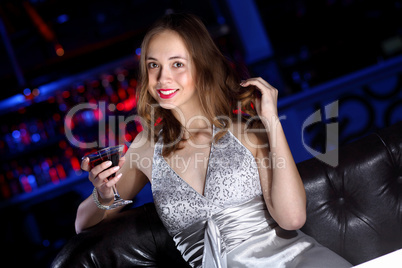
{"x": 167, "y": 93}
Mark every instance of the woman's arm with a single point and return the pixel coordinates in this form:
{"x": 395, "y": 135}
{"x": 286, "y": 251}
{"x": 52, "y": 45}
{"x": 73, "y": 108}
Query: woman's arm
{"x": 130, "y": 177}
{"x": 281, "y": 183}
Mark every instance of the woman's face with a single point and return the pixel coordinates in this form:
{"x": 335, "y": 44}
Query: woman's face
{"x": 170, "y": 72}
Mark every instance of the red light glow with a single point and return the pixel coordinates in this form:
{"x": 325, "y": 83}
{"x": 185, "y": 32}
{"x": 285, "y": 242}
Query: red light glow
{"x": 59, "y": 50}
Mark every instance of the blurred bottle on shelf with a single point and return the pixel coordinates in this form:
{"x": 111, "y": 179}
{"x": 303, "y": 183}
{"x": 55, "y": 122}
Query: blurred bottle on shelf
{"x": 34, "y": 145}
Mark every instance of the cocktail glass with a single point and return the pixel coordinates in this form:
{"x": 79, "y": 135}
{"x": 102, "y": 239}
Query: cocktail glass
{"x": 113, "y": 153}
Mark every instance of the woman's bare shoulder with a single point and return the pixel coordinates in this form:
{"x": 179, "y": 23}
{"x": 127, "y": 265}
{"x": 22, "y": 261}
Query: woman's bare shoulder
{"x": 252, "y": 138}
{"x": 141, "y": 151}
{"x": 141, "y": 143}
{"x": 137, "y": 167}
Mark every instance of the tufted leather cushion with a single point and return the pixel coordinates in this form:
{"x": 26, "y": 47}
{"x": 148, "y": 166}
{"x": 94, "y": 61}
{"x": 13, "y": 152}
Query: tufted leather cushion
{"x": 356, "y": 208}
{"x": 134, "y": 238}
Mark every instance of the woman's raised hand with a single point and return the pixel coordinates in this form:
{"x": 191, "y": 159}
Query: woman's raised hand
{"x": 266, "y": 104}
{"x": 99, "y": 177}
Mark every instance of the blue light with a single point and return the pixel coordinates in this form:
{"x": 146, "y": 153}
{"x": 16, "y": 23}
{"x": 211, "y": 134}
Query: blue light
{"x": 12, "y": 102}
{"x": 27, "y": 92}
{"x": 88, "y": 117}
{"x": 37, "y": 169}
{"x": 45, "y": 166}
{"x": 138, "y": 51}
{"x": 33, "y": 128}
{"x": 35, "y": 137}
{"x": 63, "y": 18}
{"x": 100, "y": 17}
{"x": 296, "y": 77}
{"x": 62, "y": 107}
{"x": 16, "y": 134}
{"x": 250, "y": 29}
{"x": 46, "y": 243}
{"x": 221, "y": 20}
{"x": 32, "y": 181}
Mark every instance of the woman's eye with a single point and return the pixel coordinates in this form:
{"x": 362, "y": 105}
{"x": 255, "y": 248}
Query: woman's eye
{"x": 178, "y": 64}
{"x": 152, "y": 65}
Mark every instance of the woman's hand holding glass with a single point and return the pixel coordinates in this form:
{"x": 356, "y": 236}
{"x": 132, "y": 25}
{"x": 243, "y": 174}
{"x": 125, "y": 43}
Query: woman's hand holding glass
{"x": 99, "y": 177}
{"x": 102, "y": 167}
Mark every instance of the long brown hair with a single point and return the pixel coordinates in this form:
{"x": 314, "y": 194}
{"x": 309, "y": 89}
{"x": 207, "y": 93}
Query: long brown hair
{"x": 216, "y": 81}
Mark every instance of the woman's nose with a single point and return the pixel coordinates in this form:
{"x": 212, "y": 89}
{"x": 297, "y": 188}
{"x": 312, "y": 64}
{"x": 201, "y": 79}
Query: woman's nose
{"x": 164, "y": 76}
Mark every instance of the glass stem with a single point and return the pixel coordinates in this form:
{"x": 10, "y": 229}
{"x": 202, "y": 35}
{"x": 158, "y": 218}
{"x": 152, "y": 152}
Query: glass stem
{"x": 116, "y": 194}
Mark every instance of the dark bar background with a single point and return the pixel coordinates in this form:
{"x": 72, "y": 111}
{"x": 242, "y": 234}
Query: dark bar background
{"x": 57, "y": 55}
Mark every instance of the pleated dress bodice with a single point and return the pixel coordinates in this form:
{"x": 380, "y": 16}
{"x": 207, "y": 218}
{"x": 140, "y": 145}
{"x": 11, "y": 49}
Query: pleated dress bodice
{"x": 231, "y": 178}
{"x": 229, "y": 225}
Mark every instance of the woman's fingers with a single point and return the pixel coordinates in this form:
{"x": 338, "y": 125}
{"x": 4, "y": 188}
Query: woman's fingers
{"x": 100, "y": 174}
{"x": 107, "y": 173}
{"x": 98, "y": 169}
{"x": 257, "y": 103}
{"x": 264, "y": 87}
{"x": 85, "y": 164}
{"x": 266, "y": 102}
{"x": 114, "y": 180}
{"x": 258, "y": 82}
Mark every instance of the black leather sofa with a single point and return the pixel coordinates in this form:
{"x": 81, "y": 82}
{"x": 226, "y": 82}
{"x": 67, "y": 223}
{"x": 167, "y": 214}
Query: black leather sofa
{"x": 355, "y": 209}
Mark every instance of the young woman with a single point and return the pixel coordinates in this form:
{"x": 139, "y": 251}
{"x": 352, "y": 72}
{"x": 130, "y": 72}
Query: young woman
{"x": 224, "y": 181}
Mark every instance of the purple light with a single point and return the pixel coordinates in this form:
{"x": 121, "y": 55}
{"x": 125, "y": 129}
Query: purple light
{"x": 45, "y": 166}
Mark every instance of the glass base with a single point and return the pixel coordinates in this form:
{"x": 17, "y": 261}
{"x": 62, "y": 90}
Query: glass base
{"x": 120, "y": 202}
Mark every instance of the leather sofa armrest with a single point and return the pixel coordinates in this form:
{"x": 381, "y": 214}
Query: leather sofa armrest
{"x": 355, "y": 208}
{"x": 134, "y": 238}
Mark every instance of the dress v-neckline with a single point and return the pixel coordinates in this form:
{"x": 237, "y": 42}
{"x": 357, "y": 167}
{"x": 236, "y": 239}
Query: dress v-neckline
{"x": 206, "y": 172}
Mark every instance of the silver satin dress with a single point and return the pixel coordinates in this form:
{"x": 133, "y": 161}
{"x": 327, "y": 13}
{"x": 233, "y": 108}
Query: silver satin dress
{"x": 230, "y": 226}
